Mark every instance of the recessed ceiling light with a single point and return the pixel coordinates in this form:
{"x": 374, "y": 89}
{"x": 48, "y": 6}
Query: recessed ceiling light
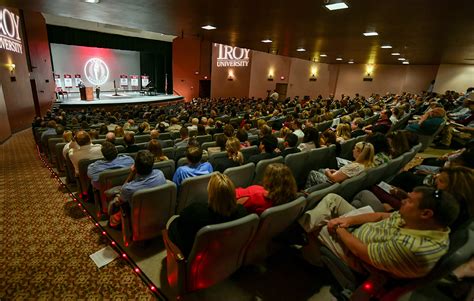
{"x": 336, "y": 6}
{"x": 401, "y": 58}
{"x": 370, "y": 33}
{"x": 208, "y": 27}
{"x": 323, "y": 55}
{"x": 395, "y": 53}
{"x": 406, "y": 62}
{"x": 339, "y": 59}
{"x": 300, "y": 49}
{"x": 266, "y": 41}
{"x": 386, "y": 46}
{"x": 92, "y": 1}
{"x": 350, "y": 62}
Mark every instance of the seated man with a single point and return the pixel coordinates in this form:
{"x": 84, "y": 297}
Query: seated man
{"x": 290, "y": 145}
{"x": 130, "y": 146}
{"x": 86, "y": 150}
{"x": 112, "y": 161}
{"x": 142, "y": 175}
{"x": 405, "y": 243}
{"x": 184, "y": 137}
{"x": 267, "y": 147}
{"x": 194, "y": 167}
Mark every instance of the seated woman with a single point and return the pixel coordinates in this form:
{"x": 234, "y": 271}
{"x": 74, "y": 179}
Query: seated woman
{"x": 234, "y": 156}
{"x": 363, "y": 153}
{"x": 310, "y": 139}
{"x": 381, "y": 148}
{"x": 398, "y": 142}
{"x": 328, "y": 137}
{"x": 221, "y": 207}
{"x": 154, "y": 146}
{"x": 243, "y": 137}
{"x": 279, "y": 187}
{"x": 343, "y": 132}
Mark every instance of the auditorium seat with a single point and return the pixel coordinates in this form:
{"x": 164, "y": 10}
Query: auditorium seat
{"x": 241, "y": 176}
{"x": 314, "y": 197}
{"x": 192, "y": 190}
{"x": 214, "y": 158}
{"x": 348, "y": 146}
{"x": 167, "y": 167}
{"x": 351, "y": 186}
{"x": 206, "y": 145}
{"x": 217, "y": 252}
{"x": 83, "y": 180}
{"x": 249, "y": 152}
{"x": 273, "y": 221}
{"x": 298, "y": 164}
{"x": 203, "y": 138}
{"x": 164, "y": 136}
{"x": 374, "y": 175}
{"x": 426, "y": 140}
{"x": 262, "y": 165}
{"x": 52, "y": 157}
{"x": 146, "y": 216}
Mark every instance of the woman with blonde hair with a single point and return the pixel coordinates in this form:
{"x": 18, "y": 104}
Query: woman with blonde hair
{"x": 154, "y": 146}
{"x": 343, "y": 132}
{"x": 234, "y": 155}
{"x": 221, "y": 207}
{"x": 363, "y": 153}
{"x": 119, "y": 131}
{"x": 278, "y": 187}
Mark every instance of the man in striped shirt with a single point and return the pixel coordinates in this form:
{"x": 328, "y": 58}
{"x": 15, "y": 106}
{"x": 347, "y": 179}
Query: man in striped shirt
{"x": 406, "y": 243}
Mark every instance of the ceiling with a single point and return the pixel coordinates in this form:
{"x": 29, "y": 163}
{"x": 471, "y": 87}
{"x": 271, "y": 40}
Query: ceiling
{"x": 423, "y": 31}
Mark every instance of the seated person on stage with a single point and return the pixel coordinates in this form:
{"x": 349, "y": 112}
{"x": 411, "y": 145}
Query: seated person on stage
{"x": 290, "y": 145}
{"x": 279, "y": 187}
{"x": 221, "y": 208}
{"x": 234, "y": 155}
{"x": 194, "y": 167}
{"x": 405, "y": 243}
{"x": 130, "y": 146}
{"x": 112, "y": 160}
{"x": 267, "y": 147}
{"x": 142, "y": 175}
{"x": 363, "y": 153}
{"x": 86, "y": 150}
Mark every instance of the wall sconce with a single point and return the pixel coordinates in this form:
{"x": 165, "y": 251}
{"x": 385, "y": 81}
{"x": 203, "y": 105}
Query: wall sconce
{"x": 230, "y": 75}
{"x": 313, "y": 78}
{"x": 369, "y": 69}
{"x": 270, "y": 77}
{"x": 11, "y": 68}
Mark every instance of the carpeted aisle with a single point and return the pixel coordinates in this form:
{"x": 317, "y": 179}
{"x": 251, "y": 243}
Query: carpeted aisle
{"x": 45, "y": 240}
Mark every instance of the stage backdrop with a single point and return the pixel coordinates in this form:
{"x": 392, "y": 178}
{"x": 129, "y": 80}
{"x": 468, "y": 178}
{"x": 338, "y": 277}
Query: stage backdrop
{"x": 97, "y": 66}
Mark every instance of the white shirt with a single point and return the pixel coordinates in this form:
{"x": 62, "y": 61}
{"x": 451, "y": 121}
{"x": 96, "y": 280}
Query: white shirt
{"x": 89, "y": 151}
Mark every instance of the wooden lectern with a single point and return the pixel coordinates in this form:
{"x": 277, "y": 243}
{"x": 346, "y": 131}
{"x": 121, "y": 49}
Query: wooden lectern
{"x": 87, "y": 93}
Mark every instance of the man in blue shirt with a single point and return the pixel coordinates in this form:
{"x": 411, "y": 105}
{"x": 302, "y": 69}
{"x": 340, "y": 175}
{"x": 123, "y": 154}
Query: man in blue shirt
{"x": 142, "y": 175}
{"x": 112, "y": 161}
{"x": 194, "y": 166}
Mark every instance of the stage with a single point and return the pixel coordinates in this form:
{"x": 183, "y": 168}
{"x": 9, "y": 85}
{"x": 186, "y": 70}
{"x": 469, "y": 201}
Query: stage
{"x": 72, "y": 99}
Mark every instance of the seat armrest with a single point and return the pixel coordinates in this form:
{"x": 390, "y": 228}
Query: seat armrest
{"x": 110, "y": 193}
{"x": 175, "y": 265}
{"x": 172, "y": 248}
{"x": 127, "y": 231}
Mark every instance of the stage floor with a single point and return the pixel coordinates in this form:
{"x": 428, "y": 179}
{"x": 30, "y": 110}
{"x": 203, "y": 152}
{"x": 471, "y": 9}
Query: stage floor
{"x": 107, "y": 99}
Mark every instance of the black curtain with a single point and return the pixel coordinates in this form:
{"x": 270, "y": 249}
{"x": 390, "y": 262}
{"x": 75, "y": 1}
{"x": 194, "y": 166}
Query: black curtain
{"x": 155, "y": 56}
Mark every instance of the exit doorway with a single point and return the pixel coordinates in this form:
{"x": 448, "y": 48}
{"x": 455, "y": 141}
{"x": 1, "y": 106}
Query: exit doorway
{"x": 281, "y": 89}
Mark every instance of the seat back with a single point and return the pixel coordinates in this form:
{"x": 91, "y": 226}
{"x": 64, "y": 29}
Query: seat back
{"x": 218, "y": 251}
{"x": 142, "y": 138}
{"x": 324, "y": 157}
{"x": 108, "y": 179}
{"x": 204, "y": 138}
{"x": 169, "y": 152}
{"x": 180, "y": 152}
{"x": 262, "y": 165}
{"x": 348, "y": 146}
{"x": 167, "y": 167}
{"x": 314, "y": 197}
{"x": 192, "y": 190}
{"x": 216, "y": 157}
{"x": 298, "y": 164}
{"x": 248, "y": 152}
{"x": 375, "y": 175}
{"x": 150, "y": 209}
{"x": 241, "y": 176}
{"x": 206, "y": 145}
{"x": 353, "y": 185}
{"x": 426, "y": 140}
{"x": 164, "y": 136}
{"x": 166, "y": 143}
{"x": 273, "y": 221}
{"x": 84, "y": 181}
{"x": 393, "y": 167}
{"x": 61, "y": 163}
{"x": 52, "y": 142}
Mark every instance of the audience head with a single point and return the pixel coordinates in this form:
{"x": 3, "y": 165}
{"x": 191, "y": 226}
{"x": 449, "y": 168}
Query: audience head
{"x": 184, "y": 132}
{"x": 103, "y": 129}
{"x": 201, "y": 130}
{"x": 154, "y": 134}
{"x": 194, "y": 154}
{"x": 357, "y": 123}
{"x": 364, "y": 154}
{"x": 154, "y": 146}
{"x": 380, "y": 143}
{"x": 311, "y": 135}
{"x": 67, "y": 136}
{"x": 426, "y": 206}
{"x": 398, "y": 143}
{"x": 110, "y": 137}
{"x": 144, "y": 162}
{"x": 221, "y": 141}
{"x": 343, "y": 130}
{"x": 232, "y": 146}
{"x": 265, "y": 130}
{"x": 119, "y": 132}
{"x": 328, "y": 137}
{"x": 291, "y": 140}
{"x": 83, "y": 138}
{"x": 278, "y": 180}
{"x": 51, "y": 124}
{"x": 268, "y": 143}
{"x": 229, "y": 130}
{"x": 458, "y": 181}
{"x": 109, "y": 151}
{"x": 129, "y": 138}
{"x": 242, "y": 135}
{"x": 221, "y": 194}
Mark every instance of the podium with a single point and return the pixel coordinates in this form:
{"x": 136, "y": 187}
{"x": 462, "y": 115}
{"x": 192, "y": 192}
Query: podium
{"x": 87, "y": 93}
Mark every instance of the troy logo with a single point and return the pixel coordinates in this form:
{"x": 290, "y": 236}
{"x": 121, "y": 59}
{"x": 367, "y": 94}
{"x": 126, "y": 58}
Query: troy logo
{"x": 96, "y": 71}
{"x": 229, "y": 56}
